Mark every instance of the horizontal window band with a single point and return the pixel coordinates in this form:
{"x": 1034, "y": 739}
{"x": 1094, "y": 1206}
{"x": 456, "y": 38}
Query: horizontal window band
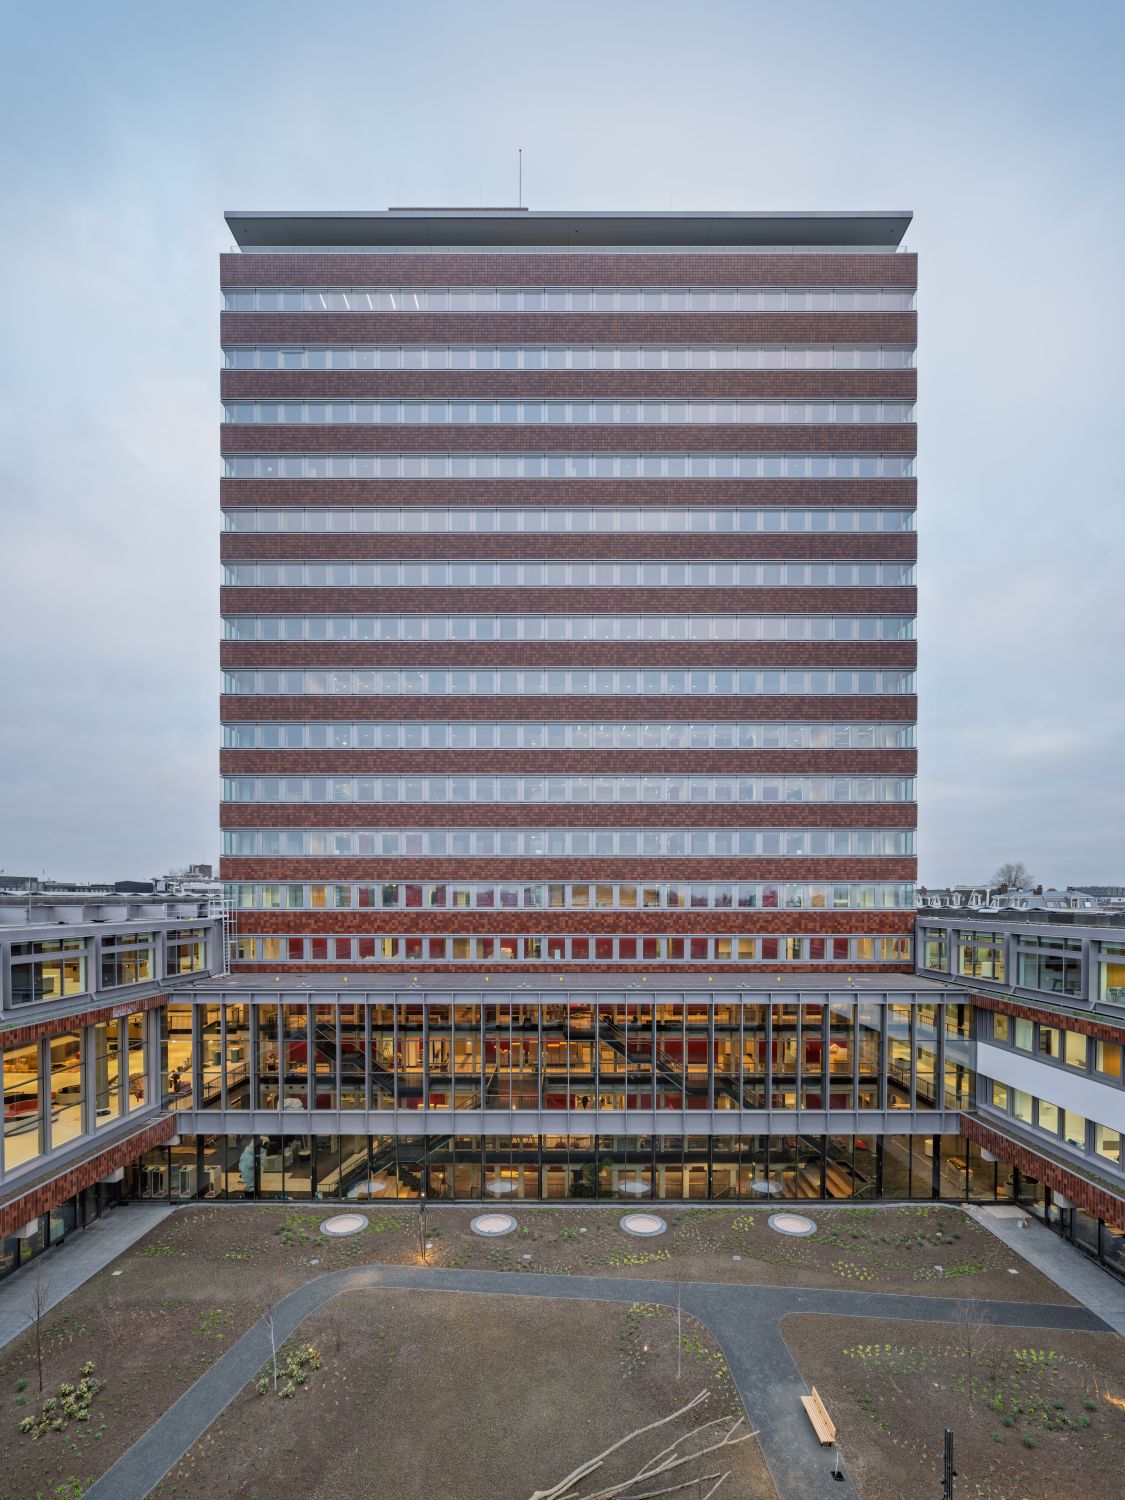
{"x": 584, "y": 790}
{"x": 478, "y": 299}
{"x": 482, "y": 734}
{"x": 568, "y": 466}
{"x": 561, "y": 949}
{"x": 555, "y": 520}
{"x": 569, "y": 896}
{"x": 553, "y": 358}
{"x": 517, "y": 842}
{"x": 522, "y": 411}
{"x": 438, "y": 682}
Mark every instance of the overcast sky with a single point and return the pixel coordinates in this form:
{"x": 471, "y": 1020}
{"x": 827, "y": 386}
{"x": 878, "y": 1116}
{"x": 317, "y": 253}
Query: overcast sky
{"x": 129, "y": 128}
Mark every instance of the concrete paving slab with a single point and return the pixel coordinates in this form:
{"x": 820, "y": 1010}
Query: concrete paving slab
{"x": 1064, "y": 1264}
{"x": 81, "y": 1256}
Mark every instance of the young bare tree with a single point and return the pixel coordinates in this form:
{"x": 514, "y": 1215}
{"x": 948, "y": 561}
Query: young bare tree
{"x": 679, "y": 1278}
{"x": 972, "y": 1326}
{"x": 1013, "y": 875}
{"x": 38, "y": 1295}
{"x": 272, "y": 1298}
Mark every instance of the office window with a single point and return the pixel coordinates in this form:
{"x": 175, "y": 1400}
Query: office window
{"x": 128, "y": 958}
{"x": 107, "y": 1071}
{"x": 1111, "y": 965}
{"x": 50, "y": 970}
{"x": 67, "y": 1090}
{"x": 935, "y": 950}
{"x": 1075, "y": 1049}
{"x": 1050, "y": 963}
{"x": 1107, "y": 1143}
{"x": 981, "y": 954}
{"x": 1107, "y": 1059}
{"x": 23, "y": 1122}
{"x": 186, "y": 951}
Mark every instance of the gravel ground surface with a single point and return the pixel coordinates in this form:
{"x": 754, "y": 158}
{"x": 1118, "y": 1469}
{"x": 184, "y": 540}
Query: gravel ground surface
{"x": 1035, "y": 1415}
{"x": 933, "y": 1251}
{"x": 386, "y": 1414}
{"x": 201, "y": 1278}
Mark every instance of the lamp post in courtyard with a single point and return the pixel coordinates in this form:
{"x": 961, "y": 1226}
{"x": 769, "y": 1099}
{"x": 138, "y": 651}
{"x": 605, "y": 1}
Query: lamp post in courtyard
{"x": 422, "y": 1221}
{"x": 948, "y": 1472}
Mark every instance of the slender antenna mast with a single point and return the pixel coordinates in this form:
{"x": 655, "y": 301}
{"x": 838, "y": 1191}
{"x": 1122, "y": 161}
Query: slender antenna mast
{"x": 520, "y": 199}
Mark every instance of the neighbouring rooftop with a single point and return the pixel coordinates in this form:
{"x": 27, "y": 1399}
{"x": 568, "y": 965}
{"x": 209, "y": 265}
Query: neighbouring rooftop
{"x": 59, "y": 909}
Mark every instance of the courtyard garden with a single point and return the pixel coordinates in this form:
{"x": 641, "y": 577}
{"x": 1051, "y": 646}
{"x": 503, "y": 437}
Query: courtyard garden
{"x": 433, "y": 1379}
{"x": 1035, "y": 1415}
{"x": 422, "y": 1395}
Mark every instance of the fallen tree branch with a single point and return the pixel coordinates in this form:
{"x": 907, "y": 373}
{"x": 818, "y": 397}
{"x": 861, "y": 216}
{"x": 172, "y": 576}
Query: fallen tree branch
{"x": 558, "y": 1491}
{"x": 615, "y": 1490}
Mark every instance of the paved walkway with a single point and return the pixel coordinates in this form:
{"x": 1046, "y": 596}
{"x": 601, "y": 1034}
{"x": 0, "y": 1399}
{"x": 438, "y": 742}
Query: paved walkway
{"x": 81, "y": 1256}
{"x": 1063, "y": 1264}
{"x": 744, "y": 1319}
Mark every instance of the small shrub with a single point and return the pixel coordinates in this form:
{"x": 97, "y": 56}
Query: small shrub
{"x": 997, "y": 1437}
{"x": 72, "y": 1404}
{"x": 1088, "y": 1404}
{"x": 1028, "y": 1440}
{"x": 293, "y": 1368}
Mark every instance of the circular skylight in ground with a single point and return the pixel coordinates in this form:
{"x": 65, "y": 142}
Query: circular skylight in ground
{"x": 343, "y": 1224}
{"x": 643, "y": 1225}
{"x": 492, "y": 1224}
{"x": 792, "y": 1224}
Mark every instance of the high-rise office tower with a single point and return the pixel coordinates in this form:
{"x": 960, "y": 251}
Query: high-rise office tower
{"x": 568, "y": 709}
{"x": 568, "y": 602}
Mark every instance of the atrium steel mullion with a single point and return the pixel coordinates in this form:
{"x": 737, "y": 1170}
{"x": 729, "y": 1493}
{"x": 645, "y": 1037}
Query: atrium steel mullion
{"x": 368, "y": 1043}
{"x": 710, "y": 1067}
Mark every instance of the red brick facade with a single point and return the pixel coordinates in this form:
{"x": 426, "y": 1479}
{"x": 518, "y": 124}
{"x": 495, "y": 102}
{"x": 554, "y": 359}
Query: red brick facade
{"x": 1102, "y": 1031}
{"x": 570, "y": 762}
{"x": 566, "y": 385}
{"x": 356, "y": 437}
{"x": 1096, "y": 1200}
{"x": 567, "y": 328}
{"x": 800, "y": 494}
{"x": 600, "y": 546}
{"x": 340, "y": 708}
{"x": 483, "y": 269}
{"x": 31, "y": 1031}
{"x": 278, "y": 867}
{"x": 35, "y": 1201}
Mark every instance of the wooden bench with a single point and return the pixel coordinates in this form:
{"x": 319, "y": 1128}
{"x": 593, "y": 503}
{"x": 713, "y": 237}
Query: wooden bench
{"x": 818, "y": 1416}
